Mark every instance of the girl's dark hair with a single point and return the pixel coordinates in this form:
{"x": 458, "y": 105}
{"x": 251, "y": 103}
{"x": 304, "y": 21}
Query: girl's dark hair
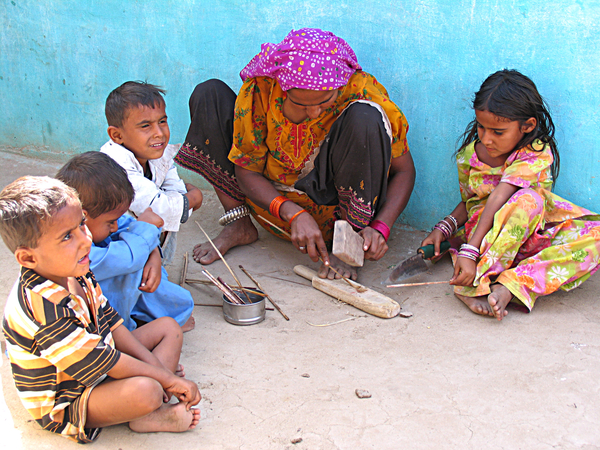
{"x": 513, "y": 96}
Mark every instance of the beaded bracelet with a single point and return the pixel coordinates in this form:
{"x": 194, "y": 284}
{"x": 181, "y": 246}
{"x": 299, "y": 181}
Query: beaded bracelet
{"x": 296, "y": 215}
{"x": 276, "y": 205}
{"x": 469, "y": 251}
{"x": 382, "y": 227}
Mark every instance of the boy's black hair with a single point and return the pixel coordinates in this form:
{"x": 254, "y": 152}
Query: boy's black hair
{"x": 101, "y": 183}
{"x": 130, "y": 95}
{"x": 512, "y": 95}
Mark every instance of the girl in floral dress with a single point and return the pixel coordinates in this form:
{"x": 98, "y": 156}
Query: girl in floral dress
{"x": 520, "y": 240}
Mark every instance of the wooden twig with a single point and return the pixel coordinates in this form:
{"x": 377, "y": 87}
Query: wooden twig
{"x": 417, "y": 284}
{"x": 358, "y": 287}
{"x": 224, "y": 262}
{"x": 329, "y": 324}
{"x": 194, "y": 281}
{"x": 266, "y": 295}
{"x": 232, "y": 297}
{"x": 185, "y": 268}
{"x": 221, "y": 305}
{"x": 228, "y": 288}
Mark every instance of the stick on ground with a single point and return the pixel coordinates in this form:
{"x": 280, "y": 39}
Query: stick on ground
{"x": 267, "y": 295}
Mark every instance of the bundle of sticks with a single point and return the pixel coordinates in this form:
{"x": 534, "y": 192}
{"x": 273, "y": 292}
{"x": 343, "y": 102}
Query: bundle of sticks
{"x": 231, "y": 293}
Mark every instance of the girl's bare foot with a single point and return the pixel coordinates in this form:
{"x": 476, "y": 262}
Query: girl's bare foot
{"x": 172, "y": 418}
{"x": 498, "y": 299}
{"x": 342, "y": 268}
{"x": 479, "y": 305}
{"x": 240, "y": 232}
{"x": 189, "y": 324}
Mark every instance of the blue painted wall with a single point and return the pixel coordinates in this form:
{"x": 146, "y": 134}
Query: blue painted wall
{"x": 60, "y": 59}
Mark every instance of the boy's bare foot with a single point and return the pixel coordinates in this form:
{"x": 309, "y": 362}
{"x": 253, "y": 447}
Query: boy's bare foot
{"x": 189, "y": 324}
{"x": 479, "y": 305}
{"x": 240, "y": 232}
{"x": 169, "y": 417}
{"x": 180, "y": 371}
{"x": 498, "y": 299}
{"x": 342, "y": 268}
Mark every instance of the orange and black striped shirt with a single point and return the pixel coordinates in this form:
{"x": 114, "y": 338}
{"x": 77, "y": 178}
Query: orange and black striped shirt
{"x": 60, "y": 346}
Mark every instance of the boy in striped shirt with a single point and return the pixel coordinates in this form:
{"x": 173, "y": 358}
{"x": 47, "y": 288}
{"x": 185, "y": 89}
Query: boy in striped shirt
{"x": 76, "y": 368}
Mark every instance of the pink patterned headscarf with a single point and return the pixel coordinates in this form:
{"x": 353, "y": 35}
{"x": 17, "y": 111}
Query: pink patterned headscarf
{"x": 309, "y": 58}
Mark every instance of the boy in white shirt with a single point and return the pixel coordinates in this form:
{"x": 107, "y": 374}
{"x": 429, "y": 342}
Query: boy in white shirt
{"x": 139, "y": 137}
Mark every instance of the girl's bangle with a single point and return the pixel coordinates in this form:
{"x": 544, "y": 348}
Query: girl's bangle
{"x": 296, "y": 215}
{"x": 276, "y": 205}
{"x": 469, "y": 251}
{"x": 382, "y": 227}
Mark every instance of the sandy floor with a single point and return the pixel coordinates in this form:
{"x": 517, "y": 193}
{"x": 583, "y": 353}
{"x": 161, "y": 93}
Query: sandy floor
{"x": 443, "y": 378}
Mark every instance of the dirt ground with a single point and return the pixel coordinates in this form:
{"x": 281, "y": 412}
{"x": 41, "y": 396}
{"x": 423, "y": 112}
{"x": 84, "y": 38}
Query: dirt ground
{"x": 443, "y": 378}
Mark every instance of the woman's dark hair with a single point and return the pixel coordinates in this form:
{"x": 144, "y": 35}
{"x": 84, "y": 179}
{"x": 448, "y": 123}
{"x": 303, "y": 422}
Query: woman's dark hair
{"x": 513, "y": 96}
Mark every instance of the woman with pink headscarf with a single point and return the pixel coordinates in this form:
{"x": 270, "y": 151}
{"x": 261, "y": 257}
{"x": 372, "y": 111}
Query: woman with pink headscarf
{"x": 309, "y": 139}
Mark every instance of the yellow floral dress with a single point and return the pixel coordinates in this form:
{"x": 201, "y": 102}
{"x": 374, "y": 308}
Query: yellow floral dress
{"x": 539, "y": 242}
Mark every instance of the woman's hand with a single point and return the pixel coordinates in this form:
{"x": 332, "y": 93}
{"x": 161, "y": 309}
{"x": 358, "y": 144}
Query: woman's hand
{"x": 375, "y": 245}
{"x": 307, "y": 237}
{"x": 435, "y": 238}
{"x": 464, "y": 272}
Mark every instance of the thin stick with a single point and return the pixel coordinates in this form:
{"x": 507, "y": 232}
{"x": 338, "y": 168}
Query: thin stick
{"x": 185, "y": 268}
{"x": 275, "y": 226}
{"x": 332, "y": 323}
{"x": 226, "y": 286}
{"x": 284, "y": 279}
{"x": 209, "y": 283}
{"x": 224, "y": 262}
{"x": 220, "y": 306}
{"x": 417, "y": 284}
{"x": 266, "y": 295}
{"x": 358, "y": 288}
{"x": 233, "y": 298}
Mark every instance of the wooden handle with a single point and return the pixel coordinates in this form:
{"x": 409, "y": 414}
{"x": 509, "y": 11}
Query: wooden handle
{"x": 305, "y": 272}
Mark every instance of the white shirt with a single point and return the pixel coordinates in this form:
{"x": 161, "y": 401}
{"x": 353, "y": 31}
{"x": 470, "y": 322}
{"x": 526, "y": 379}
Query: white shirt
{"x": 164, "y": 193}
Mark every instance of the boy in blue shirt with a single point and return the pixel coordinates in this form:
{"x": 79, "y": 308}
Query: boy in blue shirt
{"x": 125, "y": 257}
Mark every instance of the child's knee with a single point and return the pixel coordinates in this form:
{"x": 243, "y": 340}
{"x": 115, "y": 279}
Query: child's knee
{"x": 169, "y": 327}
{"x": 527, "y": 200}
{"x": 148, "y": 393}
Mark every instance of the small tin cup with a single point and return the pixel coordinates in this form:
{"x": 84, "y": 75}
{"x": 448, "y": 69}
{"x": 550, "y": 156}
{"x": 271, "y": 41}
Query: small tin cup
{"x": 246, "y": 314}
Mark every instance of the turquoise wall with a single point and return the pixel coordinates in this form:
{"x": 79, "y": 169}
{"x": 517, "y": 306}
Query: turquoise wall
{"x": 60, "y": 59}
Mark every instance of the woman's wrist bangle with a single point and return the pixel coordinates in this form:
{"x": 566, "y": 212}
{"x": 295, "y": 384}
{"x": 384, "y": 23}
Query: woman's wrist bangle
{"x": 296, "y": 215}
{"x": 275, "y": 205}
{"x": 382, "y": 227}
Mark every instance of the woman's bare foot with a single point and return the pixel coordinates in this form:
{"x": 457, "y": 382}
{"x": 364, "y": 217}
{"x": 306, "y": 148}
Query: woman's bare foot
{"x": 189, "y": 324}
{"x": 498, "y": 299}
{"x": 172, "y": 418}
{"x": 180, "y": 371}
{"x": 341, "y": 267}
{"x": 479, "y": 305}
{"x": 240, "y": 232}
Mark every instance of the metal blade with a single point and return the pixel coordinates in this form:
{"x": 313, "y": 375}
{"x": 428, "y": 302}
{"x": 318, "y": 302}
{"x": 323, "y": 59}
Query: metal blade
{"x": 409, "y": 268}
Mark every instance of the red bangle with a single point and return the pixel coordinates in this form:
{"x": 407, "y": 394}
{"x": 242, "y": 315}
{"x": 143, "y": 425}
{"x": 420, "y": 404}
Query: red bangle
{"x": 276, "y": 205}
{"x": 382, "y": 227}
{"x": 296, "y": 215}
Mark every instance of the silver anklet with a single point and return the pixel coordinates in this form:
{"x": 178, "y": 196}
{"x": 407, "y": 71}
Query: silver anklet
{"x": 234, "y": 214}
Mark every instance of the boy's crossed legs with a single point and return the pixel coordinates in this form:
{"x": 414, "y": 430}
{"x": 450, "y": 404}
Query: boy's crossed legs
{"x": 139, "y": 400}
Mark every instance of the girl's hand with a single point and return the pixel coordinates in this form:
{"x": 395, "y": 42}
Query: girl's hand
{"x": 436, "y": 237}
{"x": 464, "y": 272}
{"x": 151, "y": 274}
{"x": 307, "y": 237}
{"x": 375, "y": 246}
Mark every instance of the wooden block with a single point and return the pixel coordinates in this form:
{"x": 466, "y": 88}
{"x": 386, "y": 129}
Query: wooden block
{"x": 369, "y": 301}
{"x": 348, "y": 244}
